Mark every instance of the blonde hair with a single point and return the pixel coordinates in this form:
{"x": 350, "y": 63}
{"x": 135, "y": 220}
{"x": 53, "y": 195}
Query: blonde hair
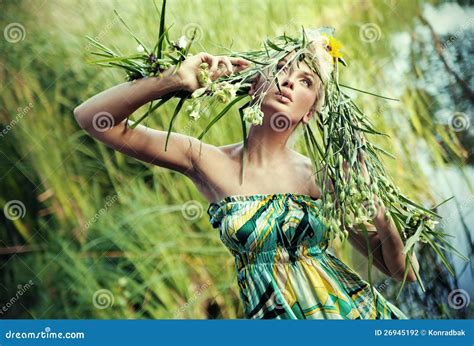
{"x": 323, "y": 62}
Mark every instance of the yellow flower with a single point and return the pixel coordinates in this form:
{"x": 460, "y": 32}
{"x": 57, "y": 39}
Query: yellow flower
{"x": 333, "y": 46}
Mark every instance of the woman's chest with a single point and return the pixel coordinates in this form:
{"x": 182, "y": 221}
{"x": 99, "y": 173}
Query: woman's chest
{"x": 257, "y": 226}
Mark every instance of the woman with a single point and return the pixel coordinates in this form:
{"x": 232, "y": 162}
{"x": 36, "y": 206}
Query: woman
{"x": 269, "y": 222}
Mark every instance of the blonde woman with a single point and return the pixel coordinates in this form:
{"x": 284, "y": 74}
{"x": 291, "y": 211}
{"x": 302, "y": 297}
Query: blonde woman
{"x": 270, "y": 221}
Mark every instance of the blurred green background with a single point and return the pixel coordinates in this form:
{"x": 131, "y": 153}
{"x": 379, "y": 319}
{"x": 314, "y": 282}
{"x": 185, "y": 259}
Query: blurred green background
{"x": 87, "y": 232}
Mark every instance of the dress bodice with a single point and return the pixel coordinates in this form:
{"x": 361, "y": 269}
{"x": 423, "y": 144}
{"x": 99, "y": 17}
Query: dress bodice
{"x": 260, "y": 223}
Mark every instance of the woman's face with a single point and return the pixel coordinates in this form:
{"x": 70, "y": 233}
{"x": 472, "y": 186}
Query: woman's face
{"x": 299, "y": 86}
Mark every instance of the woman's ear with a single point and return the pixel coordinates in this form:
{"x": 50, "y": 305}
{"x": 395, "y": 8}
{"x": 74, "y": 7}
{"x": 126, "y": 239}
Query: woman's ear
{"x": 309, "y": 115}
{"x": 253, "y": 86}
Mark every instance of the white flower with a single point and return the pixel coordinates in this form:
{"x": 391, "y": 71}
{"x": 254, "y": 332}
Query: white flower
{"x": 195, "y": 115}
{"x": 140, "y": 49}
{"x": 198, "y": 92}
{"x": 226, "y": 92}
{"x": 253, "y": 115}
{"x": 182, "y": 42}
{"x": 194, "y": 110}
{"x": 230, "y": 89}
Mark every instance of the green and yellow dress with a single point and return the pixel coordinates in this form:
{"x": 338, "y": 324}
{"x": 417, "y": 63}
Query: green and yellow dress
{"x": 283, "y": 267}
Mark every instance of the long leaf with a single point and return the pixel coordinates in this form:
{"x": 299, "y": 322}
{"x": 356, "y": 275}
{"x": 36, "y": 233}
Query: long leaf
{"x": 162, "y": 28}
{"x": 221, "y": 114}
{"x": 244, "y": 138}
{"x": 131, "y": 33}
{"x": 441, "y": 203}
{"x": 414, "y": 238}
{"x": 173, "y": 118}
{"x": 367, "y": 92}
{"x": 406, "y": 199}
{"x": 162, "y": 101}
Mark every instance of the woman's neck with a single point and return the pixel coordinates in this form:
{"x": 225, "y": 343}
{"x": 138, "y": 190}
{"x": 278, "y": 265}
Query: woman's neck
{"x": 266, "y": 147}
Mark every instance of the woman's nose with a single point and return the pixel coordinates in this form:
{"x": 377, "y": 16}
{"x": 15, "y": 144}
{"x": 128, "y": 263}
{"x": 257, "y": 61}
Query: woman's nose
{"x": 288, "y": 82}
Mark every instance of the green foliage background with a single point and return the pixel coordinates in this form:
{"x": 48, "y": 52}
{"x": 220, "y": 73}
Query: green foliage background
{"x": 96, "y": 219}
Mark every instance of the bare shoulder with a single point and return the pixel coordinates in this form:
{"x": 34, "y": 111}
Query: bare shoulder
{"x": 214, "y": 168}
{"x": 305, "y": 165}
{"x": 302, "y": 161}
{"x": 214, "y": 155}
{"x": 229, "y": 149}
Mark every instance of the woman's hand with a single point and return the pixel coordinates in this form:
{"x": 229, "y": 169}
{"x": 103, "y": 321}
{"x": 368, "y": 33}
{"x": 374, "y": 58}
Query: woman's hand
{"x": 189, "y": 69}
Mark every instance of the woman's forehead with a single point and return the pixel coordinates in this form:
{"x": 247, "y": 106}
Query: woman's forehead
{"x": 301, "y": 65}
{"x": 289, "y": 56}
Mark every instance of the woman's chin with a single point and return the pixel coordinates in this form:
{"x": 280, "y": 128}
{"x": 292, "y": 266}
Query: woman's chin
{"x": 274, "y": 106}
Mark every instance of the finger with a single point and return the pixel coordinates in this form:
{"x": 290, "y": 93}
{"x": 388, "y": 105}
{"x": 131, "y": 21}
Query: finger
{"x": 228, "y": 64}
{"x": 223, "y": 67}
{"x": 240, "y": 61}
{"x": 214, "y": 64}
{"x": 205, "y": 57}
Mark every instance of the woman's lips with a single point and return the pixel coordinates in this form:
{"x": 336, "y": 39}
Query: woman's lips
{"x": 282, "y": 98}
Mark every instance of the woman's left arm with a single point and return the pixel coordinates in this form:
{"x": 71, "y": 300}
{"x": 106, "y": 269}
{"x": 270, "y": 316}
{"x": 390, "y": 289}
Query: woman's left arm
{"x": 391, "y": 243}
{"x": 392, "y": 246}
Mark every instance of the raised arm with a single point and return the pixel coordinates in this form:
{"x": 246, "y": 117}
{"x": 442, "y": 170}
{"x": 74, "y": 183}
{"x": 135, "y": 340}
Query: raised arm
{"x": 103, "y": 116}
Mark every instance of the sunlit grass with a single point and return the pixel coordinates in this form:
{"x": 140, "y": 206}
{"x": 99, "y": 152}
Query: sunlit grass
{"x": 153, "y": 260}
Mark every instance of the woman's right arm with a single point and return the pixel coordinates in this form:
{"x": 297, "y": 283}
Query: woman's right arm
{"x": 103, "y": 116}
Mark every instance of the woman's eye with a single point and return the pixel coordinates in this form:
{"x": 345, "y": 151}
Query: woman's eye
{"x": 308, "y": 82}
{"x": 279, "y": 67}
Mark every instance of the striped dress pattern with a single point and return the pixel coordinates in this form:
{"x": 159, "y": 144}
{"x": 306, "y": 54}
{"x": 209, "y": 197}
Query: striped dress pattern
{"x": 283, "y": 265}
